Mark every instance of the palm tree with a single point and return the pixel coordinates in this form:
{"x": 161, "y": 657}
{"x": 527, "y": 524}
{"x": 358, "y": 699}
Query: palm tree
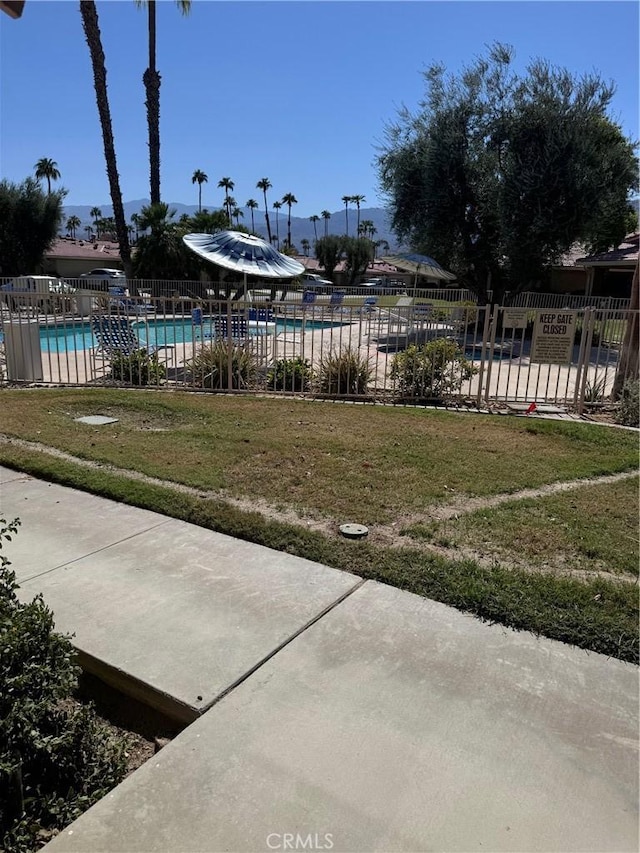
{"x": 264, "y": 184}
{"x": 227, "y": 184}
{"x": 252, "y": 204}
{"x": 88, "y": 231}
{"x": 151, "y": 80}
{"x": 346, "y": 199}
{"x": 314, "y": 219}
{"x": 200, "y": 178}
{"x": 96, "y": 214}
{"x": 92, "y": 34}
{"x": 357, "y": 199}
{"x": 232, "y": 203}
{"x": 326, "y": 216}
{"x": 289, "y": 199}
{"x": 73, "y": 222}
{"x": 237, "y": 213}
{"x": 276, "y": 206}
{"x": 305, "y": 246}
{"x": 135, "y": 221}
{"x": 48, "y": 169}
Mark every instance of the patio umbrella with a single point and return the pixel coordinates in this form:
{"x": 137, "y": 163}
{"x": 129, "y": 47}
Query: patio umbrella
{"x": 243, "y": 253}
{"x": 419, "y": 265}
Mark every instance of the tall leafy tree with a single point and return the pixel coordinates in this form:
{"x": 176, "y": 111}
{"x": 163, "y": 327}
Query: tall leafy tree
{"x": 199, "y": 178}
{"x": 346, "y": 199}
{"x": 326, "y": 215}
{"x": 357, "y": 200}
{"x": 289, "y": 199}
{"x": 357, "y": 253}
{"x": 92, "y": 34}
{"x": 227, "y": 184}
{"x": 314, "y": 220}
{"x": 277, "y": 206}
{"x": 498, "y": 174}
{"x": 151, "y": 79}
{"x": 48, "y": 169}
{"x": 30, "y": 221}
{"x": 264, "y": 184}
{"x": 252, "y": 204}
{"x": 329, "y": 253}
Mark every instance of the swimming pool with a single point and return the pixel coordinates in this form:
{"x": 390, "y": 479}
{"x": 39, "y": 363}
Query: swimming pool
{"x": 67, "y": 337}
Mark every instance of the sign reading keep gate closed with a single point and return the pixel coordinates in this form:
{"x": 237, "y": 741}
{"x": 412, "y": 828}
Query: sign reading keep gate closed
{"x": 553, "y": 337}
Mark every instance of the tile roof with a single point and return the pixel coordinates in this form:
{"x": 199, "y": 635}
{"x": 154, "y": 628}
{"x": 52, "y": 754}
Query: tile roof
{"x": 626, "y": 253}
{"x": 66, "y": 247}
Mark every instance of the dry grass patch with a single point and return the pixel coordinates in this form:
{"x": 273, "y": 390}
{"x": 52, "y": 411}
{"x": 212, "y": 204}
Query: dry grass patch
{"x": 585, "y": 531}
{"x": 365, "y": 463}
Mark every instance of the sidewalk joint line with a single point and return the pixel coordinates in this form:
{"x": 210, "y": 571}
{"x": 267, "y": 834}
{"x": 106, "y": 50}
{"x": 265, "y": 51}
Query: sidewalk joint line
{"x": 97, "y": 551}
{"x": 282, "y": 645}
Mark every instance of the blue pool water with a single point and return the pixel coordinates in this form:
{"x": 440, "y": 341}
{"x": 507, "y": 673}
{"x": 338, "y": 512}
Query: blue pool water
{"x": 78, "y": 336}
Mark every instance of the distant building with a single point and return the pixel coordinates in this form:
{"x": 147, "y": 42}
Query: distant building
{"x": 604, "y": 274}
{"x": 69, "y": 258}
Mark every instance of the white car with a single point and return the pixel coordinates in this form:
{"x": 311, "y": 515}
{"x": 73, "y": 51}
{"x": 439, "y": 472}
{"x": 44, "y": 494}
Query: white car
{"x": 312, "y": 281}
{"x": 108, "y": 277}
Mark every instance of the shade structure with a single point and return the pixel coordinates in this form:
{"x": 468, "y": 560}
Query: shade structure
{"x": 243, "y": 253}
{"x": 419, "y": 265}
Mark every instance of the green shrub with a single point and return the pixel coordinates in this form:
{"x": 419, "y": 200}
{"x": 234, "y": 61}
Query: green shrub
{"x": 431, "y": 371}
{"x": 56, "y": 757}
{"x": 595, "y": 392}
{"x": 210, "y": 366}
{"x": 138, "y": 368}
{"x": 344, "y": 372}
{"x": 628, "y": 411}
{"x": 290, "y": 374}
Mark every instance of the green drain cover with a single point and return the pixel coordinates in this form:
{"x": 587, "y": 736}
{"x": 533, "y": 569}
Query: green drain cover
{"x": 354, "y": 531}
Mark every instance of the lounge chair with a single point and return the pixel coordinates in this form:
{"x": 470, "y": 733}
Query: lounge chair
{"x": 116, "y": 337}
{"x": 237, "y": 331}
{"x": 336, "y": 300}
{"x": 119, "y": 301}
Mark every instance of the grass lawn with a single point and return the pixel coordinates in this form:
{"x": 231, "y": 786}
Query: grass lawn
{"x": 371, "y": 464}
{"x": 389, "y": 468}
{"x": 590, "y": 529}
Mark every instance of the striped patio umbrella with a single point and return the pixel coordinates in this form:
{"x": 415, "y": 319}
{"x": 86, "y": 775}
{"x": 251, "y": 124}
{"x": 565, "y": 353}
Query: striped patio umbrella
{"x": 243, "y": 253}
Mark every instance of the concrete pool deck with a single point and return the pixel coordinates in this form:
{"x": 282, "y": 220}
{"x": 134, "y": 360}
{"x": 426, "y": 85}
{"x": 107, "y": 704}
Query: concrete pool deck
{"x": 354, "y": 714}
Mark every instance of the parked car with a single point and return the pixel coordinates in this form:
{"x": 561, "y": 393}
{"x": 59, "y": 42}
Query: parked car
{"x": 384, "y": 286}
{"x": 312, "y": 281}
{"x": 102, "y": 278}
{"x": 37, "y": 284}
{"x": 33, "y": 291}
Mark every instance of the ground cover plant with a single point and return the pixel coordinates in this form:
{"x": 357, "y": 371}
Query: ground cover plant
{"x": 285, "y": 473}
{"x": 56, "y": 757}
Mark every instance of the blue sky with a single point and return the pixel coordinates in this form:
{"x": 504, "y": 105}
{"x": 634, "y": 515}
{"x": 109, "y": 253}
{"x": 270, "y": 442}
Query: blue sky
{"x": 298, "y": 92}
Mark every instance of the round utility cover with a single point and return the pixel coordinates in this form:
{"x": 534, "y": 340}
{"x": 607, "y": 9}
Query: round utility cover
{"x": 354, "y": 531}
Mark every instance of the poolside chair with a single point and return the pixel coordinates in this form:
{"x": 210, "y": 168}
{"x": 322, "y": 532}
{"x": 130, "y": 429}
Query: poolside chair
{"x": 116, "y": 337}
{"x": 237, "y": 331}
{"x": 336, "y": 299}
{"x": 119, "y": 301}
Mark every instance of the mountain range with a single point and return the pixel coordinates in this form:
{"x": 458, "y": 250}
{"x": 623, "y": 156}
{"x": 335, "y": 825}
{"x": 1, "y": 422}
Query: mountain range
{"x": 301, "y": 228}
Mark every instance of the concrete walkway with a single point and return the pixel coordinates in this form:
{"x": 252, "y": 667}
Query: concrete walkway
{"x": 330, "y": 714}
